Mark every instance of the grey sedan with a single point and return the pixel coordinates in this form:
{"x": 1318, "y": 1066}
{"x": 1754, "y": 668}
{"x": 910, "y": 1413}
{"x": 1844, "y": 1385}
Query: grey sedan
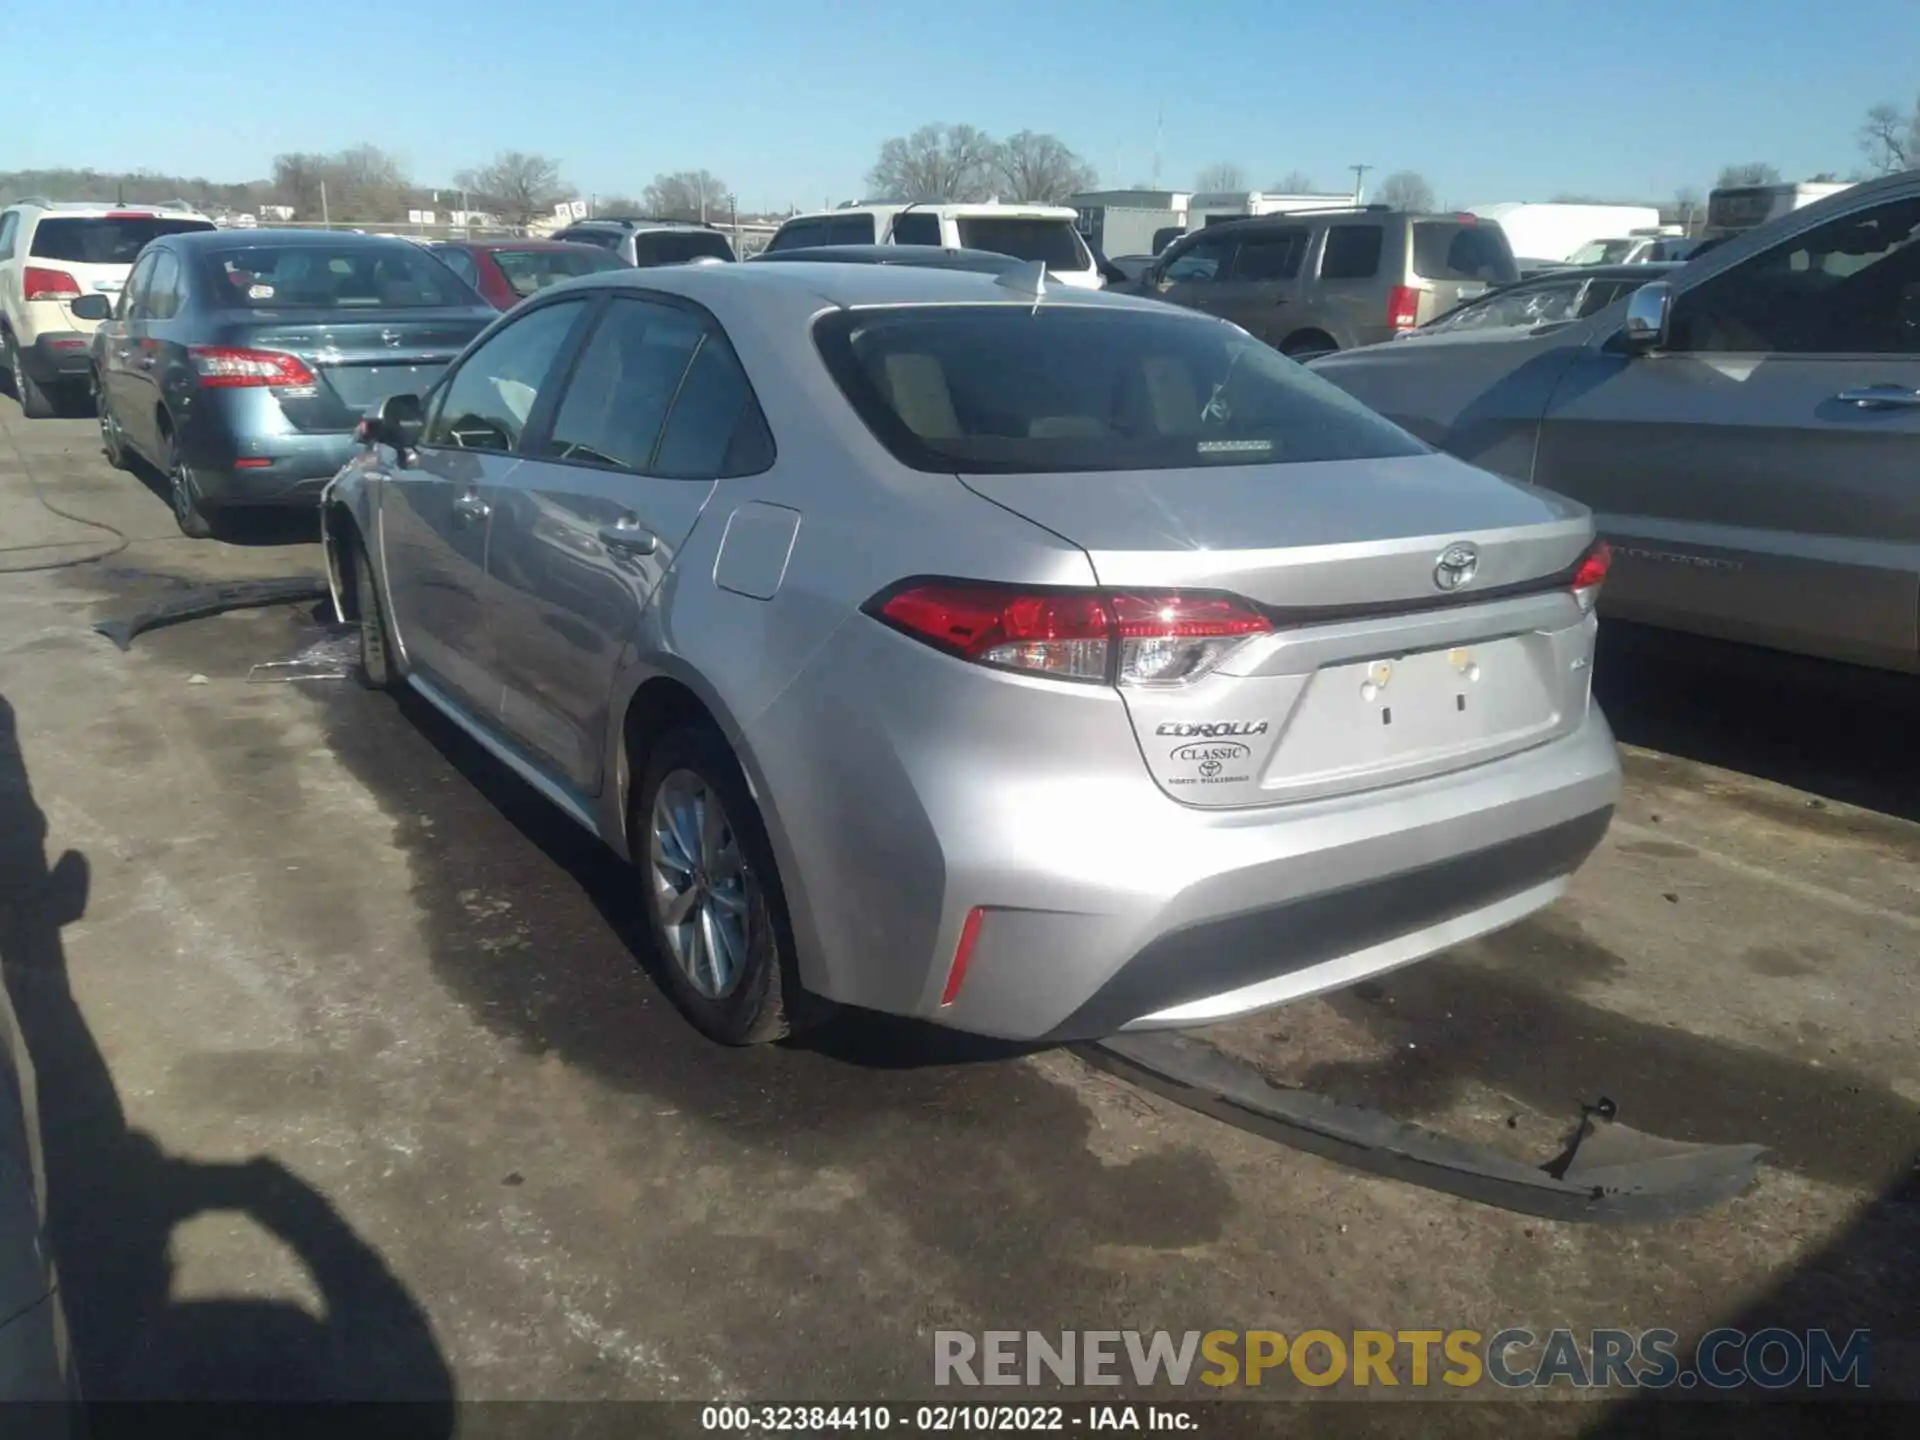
{"x": 1746, "y": 428}
{"x": 1036, "y": 661}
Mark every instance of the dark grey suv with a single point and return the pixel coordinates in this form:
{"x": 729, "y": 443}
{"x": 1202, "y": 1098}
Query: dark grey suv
{"x": 1332, "y": 279}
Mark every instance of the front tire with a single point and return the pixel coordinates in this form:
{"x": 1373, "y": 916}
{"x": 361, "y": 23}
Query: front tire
{"x": 183, "y": 494}
{"x": 377, "y": 669}
{"x": 113, "y": 444}
{"x": 715, "y": 908}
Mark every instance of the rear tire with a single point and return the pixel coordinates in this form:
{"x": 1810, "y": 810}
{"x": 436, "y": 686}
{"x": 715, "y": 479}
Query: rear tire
{"x": 1296, "y": 347}
{"x": 35, "y": 402}
{"x": 715, "y": 909}
{"x": 377, "y": 668}
{"x": 183, "y": 493}
{"x": 113, "y": 444}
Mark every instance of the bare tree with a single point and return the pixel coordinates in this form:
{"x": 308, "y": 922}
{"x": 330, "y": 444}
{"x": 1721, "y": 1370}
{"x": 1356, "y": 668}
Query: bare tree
{"x": 686, "y": 195}
{"x": 617, "y": 204}
{"x": 1405, "y": 190}
{"x": 517, "y": 186}
{"x": 361, "y": 183}
{"x": 1041, "y": 169}
{"x": 1687, "y": 207}
{"x": 1891, "y": 139}
{"x": 1218, "y": 178}
{"x": 1751, "y": 173}
{"x": 935, "y": 162}
{"x": 1294, "y": 182}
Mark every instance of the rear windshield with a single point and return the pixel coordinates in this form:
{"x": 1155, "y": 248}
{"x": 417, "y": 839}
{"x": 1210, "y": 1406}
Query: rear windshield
{"x": 1011, "y": 388}
{"x": 1055, "y": 243}
{"x": 531, "y": 270}
{"x": 1450, "y": 250}
{"x": 676, "y": 247}
{"x": 334, "y": 277}
{"x": 101, "y": 241}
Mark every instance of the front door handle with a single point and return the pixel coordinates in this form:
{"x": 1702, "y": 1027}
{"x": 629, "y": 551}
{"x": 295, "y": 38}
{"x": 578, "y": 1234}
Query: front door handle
{"x": 1881, "y": 397}
{"x": 469, "y": 508}
{"x": 628, "y": 534}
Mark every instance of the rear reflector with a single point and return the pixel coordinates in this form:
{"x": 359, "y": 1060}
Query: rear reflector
{"x": 252, "y": 462}
{"x": 1403, "y": 307}
{"x": 1591, "y": 574}
{"x": 1118, "y": 638}
{"x": 223, "y": 367}
{"x": 962, "y": 956}
{"x": 38, "y": 282}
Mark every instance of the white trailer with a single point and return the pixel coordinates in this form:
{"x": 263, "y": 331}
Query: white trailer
{"x": 1550, "y": 233}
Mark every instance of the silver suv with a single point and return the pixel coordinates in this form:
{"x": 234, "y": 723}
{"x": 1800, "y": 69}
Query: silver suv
{"x": 644, "y": 240}
{"x": 1334, "y": 279}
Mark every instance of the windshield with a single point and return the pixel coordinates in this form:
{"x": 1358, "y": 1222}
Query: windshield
{"x": 1015, "y": 388}
{"x": 1513, "y": 310}
{"x": 104, "y": 241}
{"x": 676, "y": 247}
{"x": 1054, "y": 243}
{"x": 531, "y": 270}
{"x": 321, "y": 276}
{"x": 1602, "y": 252}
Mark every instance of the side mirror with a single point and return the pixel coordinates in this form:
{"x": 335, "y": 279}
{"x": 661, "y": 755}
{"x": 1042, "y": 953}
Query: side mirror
{"x": 397, "y": 421}
{"x": 91, "y": 307}
{"x": 1649, "y": 315}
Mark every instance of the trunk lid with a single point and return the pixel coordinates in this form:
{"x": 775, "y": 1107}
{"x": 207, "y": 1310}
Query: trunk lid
{"x": 1380, "y": 668}
{"x": 359, "y": 359}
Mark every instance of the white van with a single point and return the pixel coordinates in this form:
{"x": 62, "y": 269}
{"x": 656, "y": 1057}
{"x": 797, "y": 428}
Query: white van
{"x": 1046, "y": 233}
{"x": 1738, "y": 208}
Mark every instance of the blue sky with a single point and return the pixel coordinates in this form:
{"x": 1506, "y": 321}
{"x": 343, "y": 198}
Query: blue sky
{"x": 788, "y": 103}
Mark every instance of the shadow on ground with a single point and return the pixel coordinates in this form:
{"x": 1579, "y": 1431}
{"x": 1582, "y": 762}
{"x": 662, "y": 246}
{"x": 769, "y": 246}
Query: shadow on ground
{"x": 114, "y": 1198}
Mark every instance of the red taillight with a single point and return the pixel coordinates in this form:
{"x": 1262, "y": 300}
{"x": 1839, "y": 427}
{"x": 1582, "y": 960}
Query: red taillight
{"x": 1591, "y": 574}
{"x": 962, "y": 955}
{"x": 41, "y": 283}
{"x": 1125, "y": 637}
{"x": 1403, "y": 307}
{"x": 224, "y": 367}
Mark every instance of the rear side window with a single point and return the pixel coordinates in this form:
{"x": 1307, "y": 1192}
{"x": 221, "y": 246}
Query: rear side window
{"x": 323, "y": 276}
{"x": 1275, "y": 255}
{"x": 1449, "y": 250}
{"x": 676, "y": 247}
{"x": 1352, "y": 252}
{"x": 617, "y": 400}
{"x": 716, "y": 427}
{"x": 1054, "y": 243}
{"x": 101, "y": 241}
{"x": 1014, "y": 389}
{"x": 531, "y": 270}
{"x": 916, "y": 228}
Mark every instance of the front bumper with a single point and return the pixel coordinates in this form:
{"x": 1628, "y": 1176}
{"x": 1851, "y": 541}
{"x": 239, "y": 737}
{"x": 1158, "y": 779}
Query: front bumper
{"x": 1105, "y": 904}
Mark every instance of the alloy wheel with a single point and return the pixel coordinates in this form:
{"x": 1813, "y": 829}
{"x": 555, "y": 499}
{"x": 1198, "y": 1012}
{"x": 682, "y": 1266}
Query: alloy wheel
{"x": 703, "y": 889}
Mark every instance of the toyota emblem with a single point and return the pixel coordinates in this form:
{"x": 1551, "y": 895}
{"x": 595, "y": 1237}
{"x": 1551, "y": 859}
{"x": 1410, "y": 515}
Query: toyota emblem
{"x": 1456, "y": 566}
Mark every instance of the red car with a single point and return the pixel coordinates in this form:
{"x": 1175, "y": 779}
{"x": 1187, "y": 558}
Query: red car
{"x": 505, "y": 272}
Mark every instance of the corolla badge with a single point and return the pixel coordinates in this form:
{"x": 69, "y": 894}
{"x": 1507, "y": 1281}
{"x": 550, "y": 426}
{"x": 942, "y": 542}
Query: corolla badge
{"x": 1456, "y": 566}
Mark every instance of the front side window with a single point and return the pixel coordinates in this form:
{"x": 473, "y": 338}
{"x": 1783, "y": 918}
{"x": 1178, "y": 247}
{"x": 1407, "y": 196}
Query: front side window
{"x": 617, "y": 399}
{"x": 1352, "y": 252}
{"x": 1848, "y": 287}
{"x": 486, "y": 404}
{"x": 133, "y": 294}
{"x": 162, "y": 298}
{"x": 9, "y": 223}
{"x": 1272, "y": 255}
{"x": 1203, "y": 260}
{"x": 798, "y": 235}
{"x": 1015, "y": 389}
{"x": 326, "y": 275}
{"x": 104, "y": 240}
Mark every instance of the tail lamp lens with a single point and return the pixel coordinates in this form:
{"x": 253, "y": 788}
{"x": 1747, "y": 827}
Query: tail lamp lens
{"x": 224, "y": 367}
{"x": 1124, "y": 638}
{"x": 1591, "y": 574}
{"x": 41, "y": 282}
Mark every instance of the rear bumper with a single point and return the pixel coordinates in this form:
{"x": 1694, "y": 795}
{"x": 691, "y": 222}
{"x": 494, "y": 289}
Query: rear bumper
{"x": 1105, "y": 904}
{"x": 263, "y": 470}
{"x": 58, "y": 356}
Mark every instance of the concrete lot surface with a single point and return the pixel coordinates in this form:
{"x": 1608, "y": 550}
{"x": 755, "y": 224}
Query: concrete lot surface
{"x": 354, "y": 1081}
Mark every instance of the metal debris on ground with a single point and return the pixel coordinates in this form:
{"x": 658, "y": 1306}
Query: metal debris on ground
{"x": 331, "y": 653}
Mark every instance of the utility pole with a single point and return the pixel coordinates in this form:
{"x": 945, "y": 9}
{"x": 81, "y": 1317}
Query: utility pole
{"x": 326, "y": 220}
{"x": 701, "y": 181}
{"x": 1359, "y": 182}
{"x": 733, "y": 219}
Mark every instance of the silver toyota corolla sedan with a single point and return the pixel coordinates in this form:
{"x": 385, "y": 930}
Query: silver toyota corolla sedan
{"x": 1040, "y": 662}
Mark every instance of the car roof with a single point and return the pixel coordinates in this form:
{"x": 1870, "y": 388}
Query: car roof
{"x": 978, "y": 209}
{"x": 269, "y": 238}
{"x": 932, "y": 256}
{"x": 1645, "y": 270}
{"x": 512, "y": 244}
{"x": 100, "y": 209}
{"x": 624, "y": 223}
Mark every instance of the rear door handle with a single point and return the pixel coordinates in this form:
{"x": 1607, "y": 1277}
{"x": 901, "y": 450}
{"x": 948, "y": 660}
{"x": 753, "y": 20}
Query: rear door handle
{"x": 628, "y": 534}
{"x": 470, "y": 508}
{"x": 1881, "y": 397}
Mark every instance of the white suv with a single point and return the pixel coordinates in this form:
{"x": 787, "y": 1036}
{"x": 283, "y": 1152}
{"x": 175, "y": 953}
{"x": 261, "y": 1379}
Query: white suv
{"x": 1026, "y": 232}
{"x": 50, "y": 255}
